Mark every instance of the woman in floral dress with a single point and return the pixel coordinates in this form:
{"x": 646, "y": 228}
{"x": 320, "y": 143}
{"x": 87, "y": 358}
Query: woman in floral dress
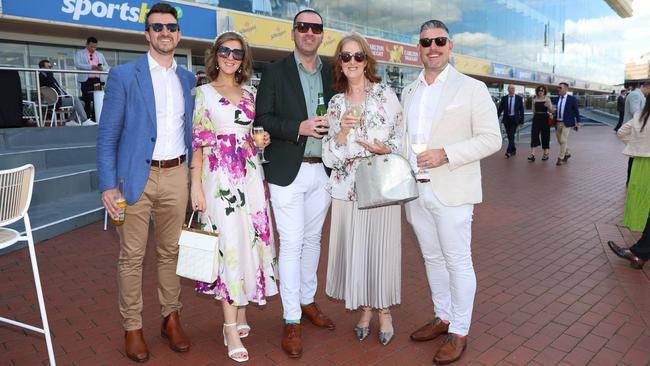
{"x": 228, "y": 187}
{"x": 365, "y": 245}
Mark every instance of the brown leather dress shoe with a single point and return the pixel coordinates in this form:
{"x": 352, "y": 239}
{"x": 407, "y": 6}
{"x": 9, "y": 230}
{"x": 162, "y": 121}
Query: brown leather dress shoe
{"x": 136, "y": 349}
{"x": 292, "y": 340}
{"x": 626, "y": 253}
{"x": 430, "y": 330}
{"x": 451, "y": 350}
{"x": 313, "y": 313}
{"x": 171, "y": 329}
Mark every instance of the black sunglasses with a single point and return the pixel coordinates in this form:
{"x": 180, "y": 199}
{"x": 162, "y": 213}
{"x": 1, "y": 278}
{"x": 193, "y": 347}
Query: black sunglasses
{"x": 440, "y": 41}
{"x": 347, "y": 56}
{"x": 303, "y": 27}
{"x": 158, "y": 27}
{"x": 224, "y": 52}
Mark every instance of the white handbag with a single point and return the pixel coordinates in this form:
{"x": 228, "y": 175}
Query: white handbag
{"x": 198, "y": 253}
{"x": 384, "y": 180}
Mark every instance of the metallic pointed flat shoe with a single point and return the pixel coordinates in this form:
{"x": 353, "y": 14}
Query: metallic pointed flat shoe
{"x": 385, "y": 337}
{"x": 362, "y": 332}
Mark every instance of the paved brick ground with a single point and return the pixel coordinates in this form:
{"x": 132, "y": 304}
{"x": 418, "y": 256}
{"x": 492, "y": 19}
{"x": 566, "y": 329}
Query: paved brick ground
{"x": 549, "y": 291}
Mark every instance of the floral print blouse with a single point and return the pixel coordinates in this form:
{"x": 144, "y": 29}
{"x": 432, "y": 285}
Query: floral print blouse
{"x": 381, "y": 119}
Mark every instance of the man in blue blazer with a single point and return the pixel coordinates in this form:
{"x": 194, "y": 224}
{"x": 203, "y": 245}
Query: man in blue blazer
{"x": 567, "y": 117}
{"x": 144, "y": 138}
{"x": 512, "y": 108}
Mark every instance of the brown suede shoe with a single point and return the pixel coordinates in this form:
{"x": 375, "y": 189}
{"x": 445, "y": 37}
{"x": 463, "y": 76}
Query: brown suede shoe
{"x": 451, "y": 350}
{"x": 171, "y": 329}
{"x": 430, "y": 331}
{"x": 313, "y": 313}
{"x": 136, "y": 349}
{"x": 292, "y": 340}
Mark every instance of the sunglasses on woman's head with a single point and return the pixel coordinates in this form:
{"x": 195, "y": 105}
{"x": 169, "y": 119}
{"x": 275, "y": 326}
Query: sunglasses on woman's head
{"x": 440, "y": 41}
{"x": 158, "y": 27}
{"x": 224, "y": 52}
{"x": 303, "y": 27}
{"x": 347, "y": 56}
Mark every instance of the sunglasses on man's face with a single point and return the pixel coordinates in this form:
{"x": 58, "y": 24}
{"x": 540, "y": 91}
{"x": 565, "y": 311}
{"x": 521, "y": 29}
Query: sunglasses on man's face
{"x": 440, "y": 41}
{"x": 347, "y": 56}
{"x": 158, "y": 27}
{"x": 303, "y": 27}
{"x": 224, "y": 52}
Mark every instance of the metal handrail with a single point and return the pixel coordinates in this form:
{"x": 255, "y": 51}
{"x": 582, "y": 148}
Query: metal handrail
{"x": 38, "y": 82}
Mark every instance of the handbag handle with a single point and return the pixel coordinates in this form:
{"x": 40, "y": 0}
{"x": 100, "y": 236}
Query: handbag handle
{"x": 189, "y": 223}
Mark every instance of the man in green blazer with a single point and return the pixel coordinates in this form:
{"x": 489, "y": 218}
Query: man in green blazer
{"x": 286, "y": 107}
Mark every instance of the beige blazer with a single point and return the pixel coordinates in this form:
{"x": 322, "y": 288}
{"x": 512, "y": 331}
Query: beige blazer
{"x": 637, "y": 142}
{"x": 466, "y": 126}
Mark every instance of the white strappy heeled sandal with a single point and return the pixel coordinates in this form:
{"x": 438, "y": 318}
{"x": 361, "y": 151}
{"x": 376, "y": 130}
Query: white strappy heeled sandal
{"x": 232, "y": 353}
{"x": 243, "y": 330}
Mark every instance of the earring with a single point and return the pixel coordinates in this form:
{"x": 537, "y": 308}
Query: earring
{"x": 239, "y": 70}
{"x": 217, "y": 67}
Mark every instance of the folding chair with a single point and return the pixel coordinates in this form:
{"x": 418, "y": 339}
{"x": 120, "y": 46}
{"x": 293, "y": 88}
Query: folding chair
{"x": 15, "y": 196}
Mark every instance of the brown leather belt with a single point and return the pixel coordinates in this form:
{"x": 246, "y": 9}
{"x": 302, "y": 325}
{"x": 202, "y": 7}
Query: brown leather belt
{"x": 423, "y": 180}
{"x": 312, "y": 160}
{"x": 168, "y": 163}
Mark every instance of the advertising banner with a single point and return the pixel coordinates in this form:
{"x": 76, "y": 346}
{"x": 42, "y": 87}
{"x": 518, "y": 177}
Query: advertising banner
{"x": 524, "y": 74}
{"x": 195, "y": 21}
{"x": 276, "y": 34}
{"x": 470, "y": 65}
{"x": 502, "y": 70}
{"x": 396, "y": 53}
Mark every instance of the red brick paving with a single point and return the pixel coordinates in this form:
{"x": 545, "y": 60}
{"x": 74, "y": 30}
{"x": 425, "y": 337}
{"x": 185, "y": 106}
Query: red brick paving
{"x": 549, "y": 290}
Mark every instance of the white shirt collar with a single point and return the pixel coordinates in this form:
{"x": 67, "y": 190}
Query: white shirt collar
{"x": 154, "y": 64}
{"x": 442, "y": 77}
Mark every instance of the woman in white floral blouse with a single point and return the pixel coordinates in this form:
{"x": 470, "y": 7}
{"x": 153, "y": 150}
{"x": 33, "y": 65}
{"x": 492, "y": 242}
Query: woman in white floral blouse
{"x": 365, "y": 119}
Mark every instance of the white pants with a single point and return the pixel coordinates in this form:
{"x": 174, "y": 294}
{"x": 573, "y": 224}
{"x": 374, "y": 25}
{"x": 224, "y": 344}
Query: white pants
{"x": 445, "y": 235}
{"x": 300, "y": 209}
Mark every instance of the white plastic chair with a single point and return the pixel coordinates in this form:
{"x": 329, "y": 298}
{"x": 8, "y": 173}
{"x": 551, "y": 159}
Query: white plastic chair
{"x": 15, "y": 196}
{"x": 50, "y": 99}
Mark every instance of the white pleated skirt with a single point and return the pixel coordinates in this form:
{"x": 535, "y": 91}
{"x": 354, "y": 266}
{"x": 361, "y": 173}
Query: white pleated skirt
{"x": 365, "y": 252}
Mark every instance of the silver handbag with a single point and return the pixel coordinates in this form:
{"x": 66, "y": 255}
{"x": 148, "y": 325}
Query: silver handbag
{"x": 383, "y": 180}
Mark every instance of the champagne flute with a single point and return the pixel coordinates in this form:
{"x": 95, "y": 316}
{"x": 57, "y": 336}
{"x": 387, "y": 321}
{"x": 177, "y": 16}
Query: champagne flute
{"x": 418, "y": 145}
{"x": 258, "y": 135}
{"x": 356, "y": 110}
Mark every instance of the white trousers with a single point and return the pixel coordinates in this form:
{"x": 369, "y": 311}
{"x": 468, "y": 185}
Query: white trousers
{"x": 445, "y": 235}
{"x": 300, "y": 209}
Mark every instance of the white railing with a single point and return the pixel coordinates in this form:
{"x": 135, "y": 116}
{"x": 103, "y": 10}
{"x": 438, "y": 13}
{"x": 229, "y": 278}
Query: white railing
{"x": 39, "y": 101}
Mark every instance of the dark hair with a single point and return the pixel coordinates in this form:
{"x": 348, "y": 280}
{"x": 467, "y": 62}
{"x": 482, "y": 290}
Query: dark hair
{"x": 245, "y": 69}
{"x": 541, "y": 87}
{"x": 564, "y": 84}
{"x": 41, "y": 63}
{"x": 307, "y": 10}
{"x": 645, "y": 113}
{"x": 160, "y": 8}
{"x": 370, "y": 72}
{"x": 202, "y": 80}
{"x": 91, "y": 40}
{"x": 433, "y": 24}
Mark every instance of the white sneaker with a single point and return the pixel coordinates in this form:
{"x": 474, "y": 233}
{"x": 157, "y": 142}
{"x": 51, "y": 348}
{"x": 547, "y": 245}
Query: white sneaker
{"x": 72, "y": 124}
{"x": 89, "y": 122}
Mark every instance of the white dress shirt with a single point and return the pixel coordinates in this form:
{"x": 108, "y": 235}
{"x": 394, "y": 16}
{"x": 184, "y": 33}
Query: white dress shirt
{"x": 560, "y": 107}
{"x": 423, "y": 108}
{"x": 170, "y": 111}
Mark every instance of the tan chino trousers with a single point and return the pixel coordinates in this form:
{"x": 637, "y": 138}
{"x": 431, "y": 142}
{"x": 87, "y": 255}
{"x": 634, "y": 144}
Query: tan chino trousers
{"x": 562, "y": 133}
{"x": 165, "y": 200}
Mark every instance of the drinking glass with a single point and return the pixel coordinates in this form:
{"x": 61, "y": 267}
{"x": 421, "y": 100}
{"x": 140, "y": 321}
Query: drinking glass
{"x": 418, "y": 145}
{"x": 258, "y": 135}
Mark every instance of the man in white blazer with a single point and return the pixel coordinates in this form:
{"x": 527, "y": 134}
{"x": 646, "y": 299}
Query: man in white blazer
{"x": 459, "y": 122}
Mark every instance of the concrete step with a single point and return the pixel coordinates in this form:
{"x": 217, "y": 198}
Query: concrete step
{"x": 34, "y": 137}
{"x": 45, "y": 157}
{"x": 65, "y": 181}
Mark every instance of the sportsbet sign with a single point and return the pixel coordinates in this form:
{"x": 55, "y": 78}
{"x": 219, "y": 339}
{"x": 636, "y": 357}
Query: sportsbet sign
{"x": 195, "y": 21}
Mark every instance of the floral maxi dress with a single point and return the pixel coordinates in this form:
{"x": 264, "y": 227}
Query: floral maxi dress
{"x": 236, "y": 198}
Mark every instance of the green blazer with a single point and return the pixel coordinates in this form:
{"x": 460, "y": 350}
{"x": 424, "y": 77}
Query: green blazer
{"x": 280, "y": 107}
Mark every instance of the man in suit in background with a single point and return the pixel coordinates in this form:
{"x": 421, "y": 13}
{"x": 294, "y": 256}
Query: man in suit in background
{"x": 287, "y": 98}
{"x": 46, "y": 78}
{"x": 567, "y": 116}
{"x": 90, "y": 59}
{"x": 460, "y": 118}
{"x": 634, "y": 102}
{"x": 620, "y": 107}
{"x": 512, "y": 108}
{"x": 145, "y": 139}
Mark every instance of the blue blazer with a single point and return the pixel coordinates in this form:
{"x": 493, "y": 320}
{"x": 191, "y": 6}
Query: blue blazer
{"x": 127, "y": 131}
{"x": 571, "y": 114}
